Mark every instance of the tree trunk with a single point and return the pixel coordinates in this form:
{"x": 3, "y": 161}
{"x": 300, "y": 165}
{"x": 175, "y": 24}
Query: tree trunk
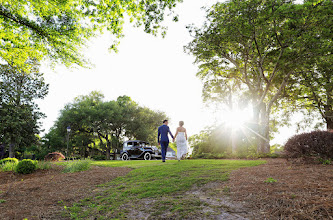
{"x": 108, "y": 149}
{"x": 255, "y": 123}
{"x": 11, "y": 150}
{"x": 329, "y": 123}
{"x": 329, "y": 109}
{"x": 264, "y": 146}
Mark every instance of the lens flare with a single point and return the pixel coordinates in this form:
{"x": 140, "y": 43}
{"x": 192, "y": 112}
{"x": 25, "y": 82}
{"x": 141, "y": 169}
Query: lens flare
{"x": 236, "y": 118}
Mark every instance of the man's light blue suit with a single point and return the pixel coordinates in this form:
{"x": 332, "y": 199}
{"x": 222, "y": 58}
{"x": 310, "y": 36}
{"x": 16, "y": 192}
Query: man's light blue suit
{"x": 163, "y": 139}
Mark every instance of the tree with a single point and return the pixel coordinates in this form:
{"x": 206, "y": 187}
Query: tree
{"x": 145, "y": 125}
{"x": 58, "y": 29}
{"x": 216, "y": 142}
{"x": 312, "y": 93}
{"x": 258, "y": 46}
{"x": 315, "y": 81}
{"x": 81, "y": 116}
{"x": 319, "y": 88}
{"x": 107, "y": 123}
{"x": 19, "y": 114}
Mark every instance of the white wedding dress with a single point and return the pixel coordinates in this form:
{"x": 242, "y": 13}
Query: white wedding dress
{"x": 181, "y": 145}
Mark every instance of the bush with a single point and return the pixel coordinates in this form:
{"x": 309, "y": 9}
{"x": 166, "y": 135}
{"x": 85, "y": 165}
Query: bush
{"x": 77, "y": 166}
{"x": 26, "y": 166}
{"x": 55, "y": 156}
{"x": 5, "y": 167}
{"x": 318, "y": 144}
{"x": 6, "y": 160}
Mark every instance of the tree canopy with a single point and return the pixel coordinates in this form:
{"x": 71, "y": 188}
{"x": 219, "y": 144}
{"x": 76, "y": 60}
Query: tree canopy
{"x": 254, "y": 48}
{"x": 58, "y": 29}
{"x": 19, "y": 113}
{"x": 103, "y": 125}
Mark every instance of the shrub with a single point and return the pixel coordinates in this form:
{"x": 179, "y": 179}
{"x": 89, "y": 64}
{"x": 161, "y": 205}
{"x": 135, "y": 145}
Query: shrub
{"x": 77, "y": 166}
{"x": 12, "y": 160}
{"x": 55, "y": 156}
{"x": 317, "y": 144}
{"x": 5, "y": 167}
{"x": 26, "y": 166}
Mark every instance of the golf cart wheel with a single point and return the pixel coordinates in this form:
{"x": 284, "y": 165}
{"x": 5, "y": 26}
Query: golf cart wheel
{"x": 147, "y": 156}
{"x": 124, "y": 156}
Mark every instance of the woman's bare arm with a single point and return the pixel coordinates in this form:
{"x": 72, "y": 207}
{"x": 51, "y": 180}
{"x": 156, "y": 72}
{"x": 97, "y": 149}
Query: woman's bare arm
{"x": 185, "y": 134}
{"x": 176, "y": 134}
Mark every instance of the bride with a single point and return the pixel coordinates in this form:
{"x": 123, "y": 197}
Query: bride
{"x": 181, "y": 141}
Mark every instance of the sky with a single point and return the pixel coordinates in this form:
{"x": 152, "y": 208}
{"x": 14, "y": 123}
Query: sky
{"x": 154, "y": 71}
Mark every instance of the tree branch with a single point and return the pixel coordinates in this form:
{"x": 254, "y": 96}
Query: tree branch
{"x": 22, "y": 21}
{"x": 282, "y": 86}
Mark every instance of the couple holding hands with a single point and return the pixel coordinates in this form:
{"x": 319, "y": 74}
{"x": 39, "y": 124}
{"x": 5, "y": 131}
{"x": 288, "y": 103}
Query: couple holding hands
{"x": 180, "y": 137}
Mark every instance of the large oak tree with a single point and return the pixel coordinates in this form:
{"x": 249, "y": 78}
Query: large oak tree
{"x": 253, "y": 48}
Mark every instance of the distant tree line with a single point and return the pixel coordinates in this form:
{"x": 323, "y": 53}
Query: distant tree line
{"x": 99, "y": 127}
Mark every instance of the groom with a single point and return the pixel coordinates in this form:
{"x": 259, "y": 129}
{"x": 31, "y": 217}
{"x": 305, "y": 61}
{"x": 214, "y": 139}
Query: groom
{"x": 163, "y": 138}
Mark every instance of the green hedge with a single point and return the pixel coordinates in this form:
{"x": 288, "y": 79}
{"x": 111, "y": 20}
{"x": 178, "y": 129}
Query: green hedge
{"x": 11, "y": 160}
{"x": 26, "y": 166}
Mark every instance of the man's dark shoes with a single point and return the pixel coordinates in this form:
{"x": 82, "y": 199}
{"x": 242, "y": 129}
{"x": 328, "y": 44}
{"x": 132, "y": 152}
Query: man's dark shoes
{"x": 163, "y": 161}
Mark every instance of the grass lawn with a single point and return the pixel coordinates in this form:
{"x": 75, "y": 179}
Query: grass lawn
{"x": 154, "y": 187}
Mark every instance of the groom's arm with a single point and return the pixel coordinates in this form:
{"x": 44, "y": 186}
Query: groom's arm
{"x": 158, "y": 135}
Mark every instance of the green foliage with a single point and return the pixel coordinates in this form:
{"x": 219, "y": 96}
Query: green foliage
{"x": 76, "y": 166}
{"x": 314, "y": 90}
{"x": 19, "y": 113}
{"x": 270, "y": 180}
{"x": 59, "y": 29}
{"x": 250, "y": 52}
{"x": 98, "y": 125}
{"x": 43, "y": 165}
{"x": 9, "y": 166}
{"x": 325, "y": 162}
{"x": 150, "y": 180}
{"x": 216, "y": 143}
{"x": 2, "y": 201}
{"x": 26, "y": 166}
{"x": 9, "y": 159}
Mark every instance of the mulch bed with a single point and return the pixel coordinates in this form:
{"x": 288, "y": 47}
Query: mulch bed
{"x": 43, "y": 194}
{"x": 301, "y": 191}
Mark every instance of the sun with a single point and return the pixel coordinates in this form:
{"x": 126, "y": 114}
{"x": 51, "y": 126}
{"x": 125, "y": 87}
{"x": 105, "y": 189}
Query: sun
{"x": 236, "y": 118}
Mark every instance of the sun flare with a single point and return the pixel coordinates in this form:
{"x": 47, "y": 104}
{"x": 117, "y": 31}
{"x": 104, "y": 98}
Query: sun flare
{"x": 236, "y": 118}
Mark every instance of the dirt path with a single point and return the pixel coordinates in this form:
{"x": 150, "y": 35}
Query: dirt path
{"x": 42, "y": 195}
